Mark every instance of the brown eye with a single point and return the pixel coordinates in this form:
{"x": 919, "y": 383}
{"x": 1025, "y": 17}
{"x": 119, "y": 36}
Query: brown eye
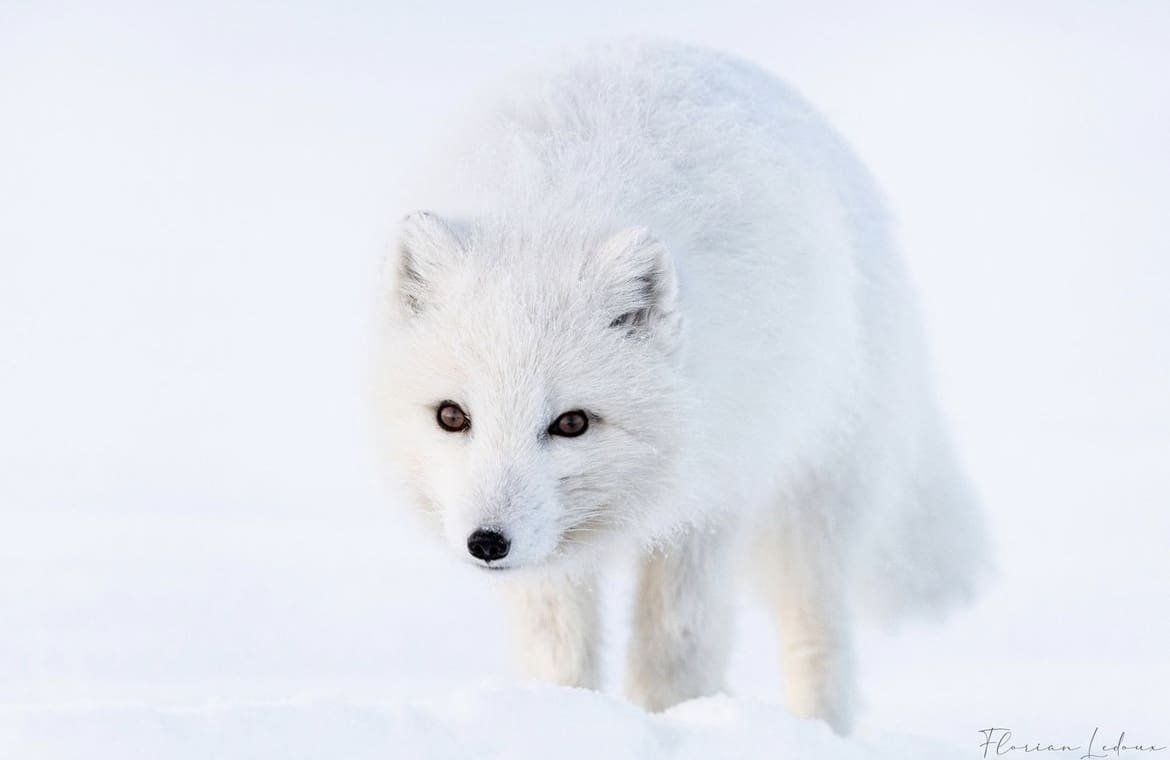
{"x": 451, "y": 418}
{"x": 570, "y": 424}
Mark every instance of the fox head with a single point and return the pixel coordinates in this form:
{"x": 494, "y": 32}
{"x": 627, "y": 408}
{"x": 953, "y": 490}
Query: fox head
{"x": 529, "y": 385}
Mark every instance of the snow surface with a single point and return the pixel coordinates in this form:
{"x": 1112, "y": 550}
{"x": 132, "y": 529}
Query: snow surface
{"x": 537, "y": 722}
{"x": 195, "y": 556}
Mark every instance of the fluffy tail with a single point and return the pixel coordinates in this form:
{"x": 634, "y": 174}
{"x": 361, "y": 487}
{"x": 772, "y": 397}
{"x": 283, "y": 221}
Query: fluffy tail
{"x": 933, "y": 553}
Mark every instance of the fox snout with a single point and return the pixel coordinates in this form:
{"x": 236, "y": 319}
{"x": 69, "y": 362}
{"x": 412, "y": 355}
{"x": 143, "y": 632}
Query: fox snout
{"x": 495, "y": 541}
{"x": 505, "y": 521}
{"x": 488, "y": 545}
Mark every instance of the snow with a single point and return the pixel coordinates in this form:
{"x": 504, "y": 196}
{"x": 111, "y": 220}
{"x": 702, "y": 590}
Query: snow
{"x": 537, "y": 721}
{"x": 196, "y": 558}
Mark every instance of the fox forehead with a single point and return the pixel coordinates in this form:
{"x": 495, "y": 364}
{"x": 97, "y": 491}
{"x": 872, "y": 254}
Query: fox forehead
{"x": 525, "y": 325}
{"x": 534, "y": 292}
{"x": 490, "y": 340}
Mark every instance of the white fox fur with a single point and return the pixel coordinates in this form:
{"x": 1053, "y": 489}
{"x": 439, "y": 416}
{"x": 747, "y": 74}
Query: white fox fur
{"x": 673, "y": 242}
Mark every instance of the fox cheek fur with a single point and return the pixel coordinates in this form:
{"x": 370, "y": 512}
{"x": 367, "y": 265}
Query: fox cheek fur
{"x": 673, "y": 249}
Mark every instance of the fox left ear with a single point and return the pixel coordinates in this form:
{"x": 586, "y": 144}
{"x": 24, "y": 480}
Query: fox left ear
{"x": 641, "y": 287}
{"x": 427, "y": 245}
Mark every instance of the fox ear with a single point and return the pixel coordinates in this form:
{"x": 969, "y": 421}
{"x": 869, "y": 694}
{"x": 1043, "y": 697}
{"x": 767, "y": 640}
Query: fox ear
{"x": 427, "y": 245}
{"x": 639, "y": 281}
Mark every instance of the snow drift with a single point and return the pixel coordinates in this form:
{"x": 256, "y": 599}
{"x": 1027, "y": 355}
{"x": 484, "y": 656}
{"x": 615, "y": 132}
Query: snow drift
{"x": 518, "y": 722}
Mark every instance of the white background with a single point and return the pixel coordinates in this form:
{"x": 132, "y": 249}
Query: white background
{"x": 193, "y": 202}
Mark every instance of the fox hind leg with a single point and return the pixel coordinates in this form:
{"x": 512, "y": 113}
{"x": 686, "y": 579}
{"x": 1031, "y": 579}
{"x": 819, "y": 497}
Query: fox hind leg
{"x": 802, "y": 563}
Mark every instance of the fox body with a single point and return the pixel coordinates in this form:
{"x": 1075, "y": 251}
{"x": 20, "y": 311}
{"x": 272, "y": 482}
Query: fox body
{"x": 654, "y": 307}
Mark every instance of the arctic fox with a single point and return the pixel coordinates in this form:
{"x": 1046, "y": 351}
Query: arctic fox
{"x": 654, "y": 305}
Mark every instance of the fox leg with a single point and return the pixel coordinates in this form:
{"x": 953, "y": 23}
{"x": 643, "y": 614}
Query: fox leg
{"x": 683, "y": 620}
{"x": 556, "y": 628}
{"x": 804, "y": 571}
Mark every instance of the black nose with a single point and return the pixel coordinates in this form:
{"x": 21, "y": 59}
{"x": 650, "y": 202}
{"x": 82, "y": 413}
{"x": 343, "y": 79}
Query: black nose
{"x": 488, "y": 545}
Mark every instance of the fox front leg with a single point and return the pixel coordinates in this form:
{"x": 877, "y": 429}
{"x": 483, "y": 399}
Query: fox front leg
{"x": 556, "y": 629}
{"x": 682, "y": 621}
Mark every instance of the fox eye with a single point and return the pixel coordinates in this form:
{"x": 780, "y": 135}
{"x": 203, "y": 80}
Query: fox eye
{"x": 452, "y": 418}
{"x": 570, "y": 424}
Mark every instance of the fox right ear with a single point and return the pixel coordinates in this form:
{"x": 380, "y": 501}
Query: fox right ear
{"x": 427, "y": 244}
{"x": 637, "y": 274}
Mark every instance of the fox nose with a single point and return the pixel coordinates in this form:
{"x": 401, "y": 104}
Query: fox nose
{"x": 488, "y": 545}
